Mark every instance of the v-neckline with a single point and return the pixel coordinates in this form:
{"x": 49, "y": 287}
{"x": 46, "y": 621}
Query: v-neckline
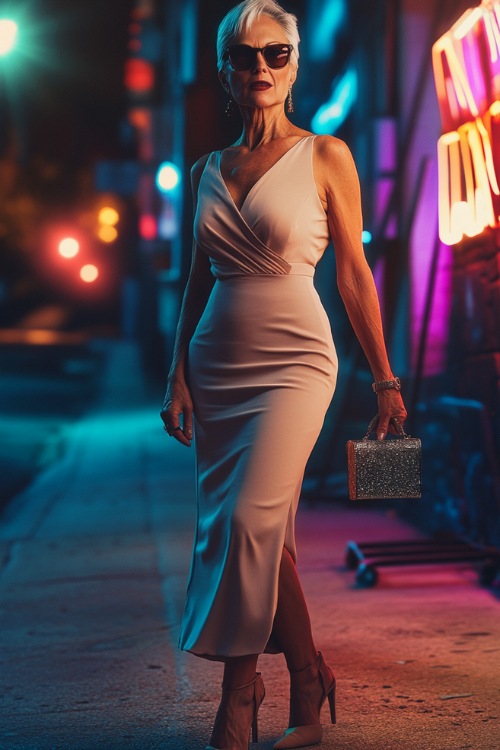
{"x": 240, "y": 208}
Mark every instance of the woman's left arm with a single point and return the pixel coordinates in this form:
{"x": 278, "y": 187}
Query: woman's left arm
{"x": 339, "y": 189}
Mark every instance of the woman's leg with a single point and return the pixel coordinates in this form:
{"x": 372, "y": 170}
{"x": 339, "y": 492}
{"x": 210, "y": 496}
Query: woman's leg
{"x": 310, "y": 679}
{"x": 292, "y": 624}
{"x": 239, "y": 670}
{"x": 242, "y": 694}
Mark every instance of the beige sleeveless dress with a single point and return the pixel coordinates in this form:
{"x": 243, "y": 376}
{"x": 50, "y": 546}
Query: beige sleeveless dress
{"x": 262, "y": 371}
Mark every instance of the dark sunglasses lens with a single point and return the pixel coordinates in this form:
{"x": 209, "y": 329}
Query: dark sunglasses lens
{"x": 276, "y": 55}
{"x": 241, "y": 56}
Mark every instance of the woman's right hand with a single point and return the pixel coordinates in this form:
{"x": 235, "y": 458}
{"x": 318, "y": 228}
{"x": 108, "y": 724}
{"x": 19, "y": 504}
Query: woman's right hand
{"x": 177, "y": 403}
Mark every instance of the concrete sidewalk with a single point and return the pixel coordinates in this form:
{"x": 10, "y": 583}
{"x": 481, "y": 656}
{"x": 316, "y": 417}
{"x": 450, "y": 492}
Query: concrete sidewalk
{"x": 94, "y": 563}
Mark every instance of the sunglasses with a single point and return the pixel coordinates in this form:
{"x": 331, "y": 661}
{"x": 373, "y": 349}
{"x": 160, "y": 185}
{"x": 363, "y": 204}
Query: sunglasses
{"x": 243, "y": 57}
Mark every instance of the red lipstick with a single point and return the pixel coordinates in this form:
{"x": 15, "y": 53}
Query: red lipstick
{"x": 260, "y": 85}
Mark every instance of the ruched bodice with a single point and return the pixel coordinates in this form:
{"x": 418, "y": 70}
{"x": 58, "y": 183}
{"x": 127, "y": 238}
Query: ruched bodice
{"x": 281, "y": 221}
{"x": 262, "y": 369}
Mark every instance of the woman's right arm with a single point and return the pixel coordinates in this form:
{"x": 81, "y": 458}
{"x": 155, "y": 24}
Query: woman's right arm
{"x": 177, "y": 399}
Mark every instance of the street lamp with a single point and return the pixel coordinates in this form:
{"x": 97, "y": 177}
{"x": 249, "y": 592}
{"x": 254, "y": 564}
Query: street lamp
{"x": 168, "y": 177}
{"x": 8, "y": 35}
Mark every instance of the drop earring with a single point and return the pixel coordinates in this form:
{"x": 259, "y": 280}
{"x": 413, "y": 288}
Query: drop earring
{"x": 230, "y": 110}
{"x": 289, "y": 107}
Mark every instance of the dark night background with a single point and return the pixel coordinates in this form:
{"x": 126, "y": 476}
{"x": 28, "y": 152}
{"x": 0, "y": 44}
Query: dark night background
{"x": 67, "y": 88}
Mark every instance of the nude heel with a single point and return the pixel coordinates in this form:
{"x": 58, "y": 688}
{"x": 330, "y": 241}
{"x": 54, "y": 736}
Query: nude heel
{"x": 312, "y": 685}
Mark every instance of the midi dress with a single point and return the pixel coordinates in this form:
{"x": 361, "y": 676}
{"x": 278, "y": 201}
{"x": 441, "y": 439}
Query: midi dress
{"x": 262, "y": 370}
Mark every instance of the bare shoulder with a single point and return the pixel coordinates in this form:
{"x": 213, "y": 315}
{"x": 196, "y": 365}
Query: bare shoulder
{"x": 331, "y": 152}
{"x": 334, "y": 170}
{"x": 197, "y": 171}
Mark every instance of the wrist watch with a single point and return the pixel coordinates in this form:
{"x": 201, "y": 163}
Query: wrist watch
{"x": 385, "y": 385}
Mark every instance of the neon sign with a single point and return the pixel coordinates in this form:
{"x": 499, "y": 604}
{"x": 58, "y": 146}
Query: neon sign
{"x": 466, "y": 63}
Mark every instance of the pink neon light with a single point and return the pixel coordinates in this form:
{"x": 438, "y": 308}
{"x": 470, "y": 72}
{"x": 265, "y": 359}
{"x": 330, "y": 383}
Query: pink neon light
{"x": 467, "y": 64}
{"x": 422, "y": 243}
{"x": 467, "y": 73}
{"x": 438, "y": 324}
{"x": 475, "y": 75}
{"x": 148, "y": 227}
{"x": 384, "y": 188}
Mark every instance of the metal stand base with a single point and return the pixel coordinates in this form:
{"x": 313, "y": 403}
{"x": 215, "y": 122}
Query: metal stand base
{"x": 366, "y": 557}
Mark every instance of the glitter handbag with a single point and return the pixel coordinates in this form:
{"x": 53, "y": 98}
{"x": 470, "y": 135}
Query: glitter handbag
{"x": 383, "y": 469}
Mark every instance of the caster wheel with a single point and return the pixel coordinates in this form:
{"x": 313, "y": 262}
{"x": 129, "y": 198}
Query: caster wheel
{"x": 488, "y": 573}
{"x": 351, "y": 558}
{"x": 366, "y": 576}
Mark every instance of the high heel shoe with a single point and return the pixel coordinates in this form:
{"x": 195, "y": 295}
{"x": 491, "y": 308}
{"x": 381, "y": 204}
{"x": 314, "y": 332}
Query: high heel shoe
{"x": 309, "y": 688}
{"x": 237, "y": 713}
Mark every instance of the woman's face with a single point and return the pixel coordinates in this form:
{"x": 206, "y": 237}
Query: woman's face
{"x": 260, "y": 86}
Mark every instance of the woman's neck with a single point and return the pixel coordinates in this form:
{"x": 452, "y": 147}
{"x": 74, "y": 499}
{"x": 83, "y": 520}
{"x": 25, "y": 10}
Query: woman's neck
{"x": 261, "y": 126}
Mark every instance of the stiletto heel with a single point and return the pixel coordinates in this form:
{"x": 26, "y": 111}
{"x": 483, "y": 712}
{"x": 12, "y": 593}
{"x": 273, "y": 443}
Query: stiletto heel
{"x": 236, "y": 715}
{"x": 309, "y": 689}
{"x": 255, "y": 729}
{"x": 331, "y": 701}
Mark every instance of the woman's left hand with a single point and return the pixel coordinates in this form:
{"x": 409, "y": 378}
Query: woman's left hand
{"x": 390, "y": 406}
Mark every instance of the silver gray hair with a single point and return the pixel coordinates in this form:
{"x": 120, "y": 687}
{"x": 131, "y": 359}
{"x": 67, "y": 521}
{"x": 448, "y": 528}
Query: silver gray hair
{"x": 244, "y": 14}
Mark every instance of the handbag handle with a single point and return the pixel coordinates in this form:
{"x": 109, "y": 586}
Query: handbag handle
{"x": 397, "y": 424}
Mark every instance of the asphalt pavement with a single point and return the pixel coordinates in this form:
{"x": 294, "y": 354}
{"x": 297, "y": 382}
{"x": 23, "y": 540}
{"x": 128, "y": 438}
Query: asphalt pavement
{"x": 44, "y": 388}
{"x": 95, "y": 554}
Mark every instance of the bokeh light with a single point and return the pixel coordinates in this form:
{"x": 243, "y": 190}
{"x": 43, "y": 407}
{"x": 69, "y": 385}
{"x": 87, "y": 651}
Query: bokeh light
{"x": 108, "y": 216}
{"x": 139, "y": 75}
{"x": 107, "y": 234}
{"x": 8, "y": 35}
{"x": 148, "y": 227}
{"x": 69, "y": 247}
{"x": 167, "y": 177}
{"x": 89, "y": 273}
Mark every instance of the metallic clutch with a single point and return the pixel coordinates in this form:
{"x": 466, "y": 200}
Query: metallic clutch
{"x": 383, "y": 469}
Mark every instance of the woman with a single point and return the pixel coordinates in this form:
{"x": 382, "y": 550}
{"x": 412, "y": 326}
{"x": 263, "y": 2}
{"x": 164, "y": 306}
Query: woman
{"x": 254, "y": 362}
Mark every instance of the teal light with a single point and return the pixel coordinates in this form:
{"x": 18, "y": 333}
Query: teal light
{"x": 330, "y": 20}
{"x": 28, "y": 40}
{"x": 366, "y": 237}
{"x": 332, "y": 114}
{"x": 168, "y": 177}
{"x": 8, "y": 35}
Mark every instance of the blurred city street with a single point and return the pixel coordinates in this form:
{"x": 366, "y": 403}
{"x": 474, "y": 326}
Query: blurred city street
{"x": 43, "y": 389}
{"x": 95, "y": 554}
{"x": 104, "y": 110}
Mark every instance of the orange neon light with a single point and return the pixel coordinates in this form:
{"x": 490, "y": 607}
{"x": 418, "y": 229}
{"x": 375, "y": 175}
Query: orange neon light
{"x": 468, "y": 89}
